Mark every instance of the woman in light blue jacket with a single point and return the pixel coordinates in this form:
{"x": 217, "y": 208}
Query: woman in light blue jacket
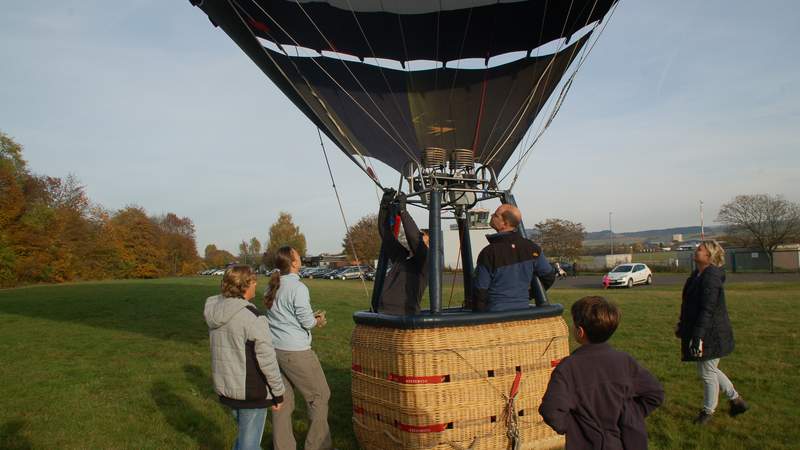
{"x": 291, "y": 319}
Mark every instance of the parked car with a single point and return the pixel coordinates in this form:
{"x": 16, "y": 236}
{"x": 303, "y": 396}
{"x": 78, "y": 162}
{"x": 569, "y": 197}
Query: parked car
{"x": 350, "y": 273}
{"x": 334, "y": 274}
{"x": 218, "y": 272}
{"x": 322, "y": 273}
{"x": 628, "y": 275}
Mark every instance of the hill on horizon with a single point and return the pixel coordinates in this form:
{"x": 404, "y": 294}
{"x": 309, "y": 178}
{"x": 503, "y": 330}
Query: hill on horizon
{"x": 655, "y": 235}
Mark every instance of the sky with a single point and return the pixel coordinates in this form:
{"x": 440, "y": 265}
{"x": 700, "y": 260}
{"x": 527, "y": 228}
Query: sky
{"x": 148, "y": 104}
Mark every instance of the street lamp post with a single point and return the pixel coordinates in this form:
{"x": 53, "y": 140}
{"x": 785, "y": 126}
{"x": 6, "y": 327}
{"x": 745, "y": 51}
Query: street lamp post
{"x": 702, "y": 225}
{"x": 611, "y": 232}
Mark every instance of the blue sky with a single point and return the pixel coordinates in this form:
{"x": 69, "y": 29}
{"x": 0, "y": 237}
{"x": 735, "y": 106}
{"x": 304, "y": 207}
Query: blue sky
{"x": 148, "y": 104}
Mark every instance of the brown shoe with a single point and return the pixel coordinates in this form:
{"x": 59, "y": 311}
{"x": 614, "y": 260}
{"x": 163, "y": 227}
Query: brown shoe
{"x": 703, "y": 417}
{"x": 738, "y": 406}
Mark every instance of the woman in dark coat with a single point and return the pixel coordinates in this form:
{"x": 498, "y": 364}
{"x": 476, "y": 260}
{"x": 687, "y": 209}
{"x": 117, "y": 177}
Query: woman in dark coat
{"x": 705, "y": 329}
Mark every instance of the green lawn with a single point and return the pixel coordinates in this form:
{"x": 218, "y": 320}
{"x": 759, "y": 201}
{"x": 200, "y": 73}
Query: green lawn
{"x": 125, "y": 364}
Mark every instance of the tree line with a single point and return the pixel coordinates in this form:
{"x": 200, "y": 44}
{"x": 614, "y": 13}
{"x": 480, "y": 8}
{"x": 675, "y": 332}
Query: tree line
{"x": 51, "y": 232}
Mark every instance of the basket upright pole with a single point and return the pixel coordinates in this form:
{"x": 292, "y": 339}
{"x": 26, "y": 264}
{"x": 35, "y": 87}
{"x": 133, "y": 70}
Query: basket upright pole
{"x": 435, "y": 251}
{"x": 466, "y": 257}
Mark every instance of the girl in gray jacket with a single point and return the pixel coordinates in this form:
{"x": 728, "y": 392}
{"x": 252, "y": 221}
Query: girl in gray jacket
{"x": 243, "y": 365}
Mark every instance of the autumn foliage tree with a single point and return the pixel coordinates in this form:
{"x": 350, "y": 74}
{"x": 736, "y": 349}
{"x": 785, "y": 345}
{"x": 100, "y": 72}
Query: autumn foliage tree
{"x": 282, "y": 233}
{"x": 50, "y": 231}
{"x": 364, "y": 239}
{"x": 561, "y": 238}
{"x": 217, "y": 258}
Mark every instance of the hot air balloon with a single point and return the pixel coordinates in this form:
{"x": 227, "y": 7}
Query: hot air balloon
{"x": 444, "y": 92}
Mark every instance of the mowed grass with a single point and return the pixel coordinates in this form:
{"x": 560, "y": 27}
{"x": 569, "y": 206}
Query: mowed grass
{"x": 125, "y": 364}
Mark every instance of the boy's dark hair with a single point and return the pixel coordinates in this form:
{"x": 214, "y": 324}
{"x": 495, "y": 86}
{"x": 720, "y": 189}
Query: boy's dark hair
{"x": 597, "y": 316}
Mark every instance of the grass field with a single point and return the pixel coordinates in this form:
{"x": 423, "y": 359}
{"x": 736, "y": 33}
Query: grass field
{"x": 125, "y": 364}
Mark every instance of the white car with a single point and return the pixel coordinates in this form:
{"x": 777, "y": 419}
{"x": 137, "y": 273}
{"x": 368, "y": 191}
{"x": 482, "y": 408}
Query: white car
{"x": 629, "y": 275}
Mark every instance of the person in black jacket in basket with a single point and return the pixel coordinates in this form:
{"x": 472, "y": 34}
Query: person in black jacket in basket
{"x": 408, "y": 277}
{"x": 705, "y": 329}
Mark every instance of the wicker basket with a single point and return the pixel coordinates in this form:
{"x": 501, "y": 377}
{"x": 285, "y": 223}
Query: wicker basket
{"x": 448, "y": 388}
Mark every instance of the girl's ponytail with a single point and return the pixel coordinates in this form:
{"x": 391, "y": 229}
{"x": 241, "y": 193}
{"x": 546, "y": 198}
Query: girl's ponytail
{"x": 272, "y": 289}
{"x": 283, "y": 262}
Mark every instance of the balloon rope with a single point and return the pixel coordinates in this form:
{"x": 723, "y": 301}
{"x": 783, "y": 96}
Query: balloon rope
{"x": 544, "y": 124}
{"x": 525, "y": 156}
{"x": 380, "y": 67}
{"x": 371, "y": 99}
{"x": 364, "y": 168}
{"x": 336, "y": 82}
{"x": 524, "y": 108}
{"x": 341, "y": 210}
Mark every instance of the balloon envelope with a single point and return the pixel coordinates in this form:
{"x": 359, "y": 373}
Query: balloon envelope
{"x": 374, "y": 108}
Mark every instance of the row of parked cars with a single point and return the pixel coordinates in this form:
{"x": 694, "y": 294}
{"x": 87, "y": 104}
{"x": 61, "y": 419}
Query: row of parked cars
{"x": 340, "y": 273}
{"x": 212, "y": 272}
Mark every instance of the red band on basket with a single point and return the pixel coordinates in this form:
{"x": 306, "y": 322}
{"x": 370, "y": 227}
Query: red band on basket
{"x": 555, "y": 362}
{"x": 410, "y": 379}
{"x": 357, "y": 368}
{"x": 358, "y": 410}
{"x": 435, "y": 428}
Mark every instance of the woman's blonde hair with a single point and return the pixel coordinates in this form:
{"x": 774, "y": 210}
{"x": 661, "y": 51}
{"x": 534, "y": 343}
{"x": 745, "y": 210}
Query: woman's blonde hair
{"x": 715, "y": 252}
{"x": 236, "y": 281}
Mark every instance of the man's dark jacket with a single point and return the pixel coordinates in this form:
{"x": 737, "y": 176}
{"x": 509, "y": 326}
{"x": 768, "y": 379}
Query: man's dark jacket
{"x": 408, "y": 277}
{"x": 599, "y": 397}
{"x": 505, "y": 272}
{"x": 704, "y": 315}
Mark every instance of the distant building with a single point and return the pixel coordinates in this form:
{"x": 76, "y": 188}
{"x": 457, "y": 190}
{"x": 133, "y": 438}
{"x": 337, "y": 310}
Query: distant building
{"x": 327, "y": 260}
{"x": 677, "y": 238}
{"x": 785, "y": 258}
{"x": 688, "y": 245}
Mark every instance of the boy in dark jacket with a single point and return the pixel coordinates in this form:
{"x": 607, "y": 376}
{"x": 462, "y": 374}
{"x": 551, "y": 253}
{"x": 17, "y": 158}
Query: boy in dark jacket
{"x": 598, "y": 396}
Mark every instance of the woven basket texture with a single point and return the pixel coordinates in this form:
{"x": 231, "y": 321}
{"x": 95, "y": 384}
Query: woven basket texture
{"x": 448, "y": 388}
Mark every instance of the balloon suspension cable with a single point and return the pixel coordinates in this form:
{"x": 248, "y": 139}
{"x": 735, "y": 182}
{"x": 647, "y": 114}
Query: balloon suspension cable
{"x": 525, "y": 155}
{"x": 524, "y": 109}
{"x": 336, "y": 82}
{"x": 366, "y": 167}
{"x": 341, "y": 210}
{"x": 380, "y": 67}
{"x": 363, "y": 89}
